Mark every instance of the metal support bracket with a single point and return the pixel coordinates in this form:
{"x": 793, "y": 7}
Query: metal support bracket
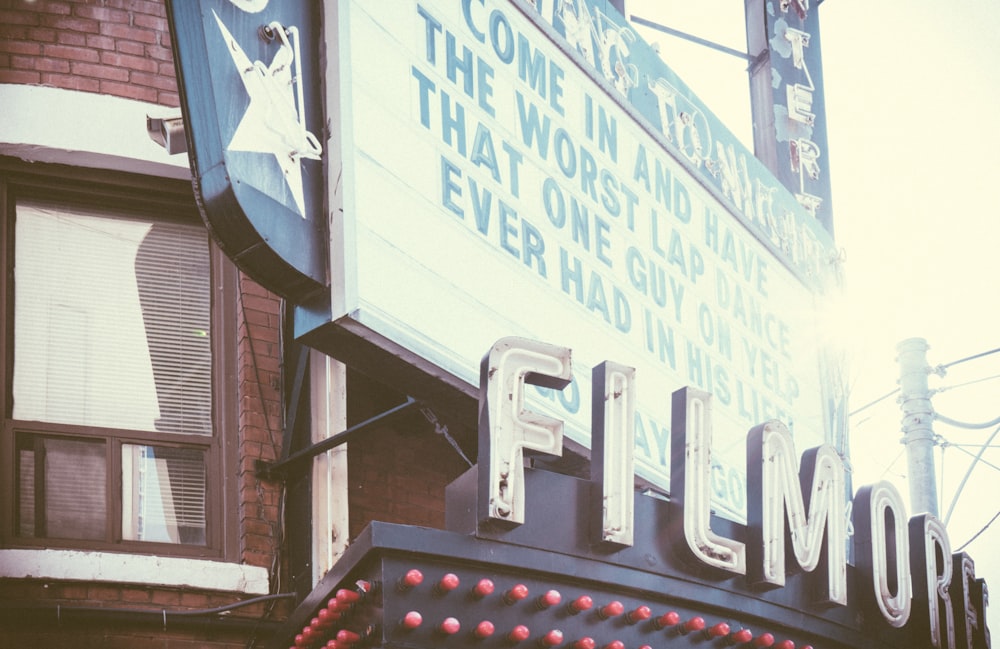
{"x": 297, "y": 462}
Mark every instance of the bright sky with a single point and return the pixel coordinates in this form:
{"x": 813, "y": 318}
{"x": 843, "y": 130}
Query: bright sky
{"x": 912, "y": 99}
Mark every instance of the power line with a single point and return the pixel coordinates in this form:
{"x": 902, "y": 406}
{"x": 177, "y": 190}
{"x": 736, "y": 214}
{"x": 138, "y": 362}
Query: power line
{"x": 977, "y": 534}
{"x": 872, "y": 403}
{"x": 969, "y": 358}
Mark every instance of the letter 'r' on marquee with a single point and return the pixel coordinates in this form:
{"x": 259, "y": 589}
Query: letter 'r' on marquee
{"x": 506, "y": 428}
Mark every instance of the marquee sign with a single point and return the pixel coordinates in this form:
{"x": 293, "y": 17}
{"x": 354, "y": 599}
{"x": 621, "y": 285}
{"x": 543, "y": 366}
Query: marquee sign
{"x": 536, "y": 559}
{"x": 250, "y": 82}
{"x": 534, "y": 169}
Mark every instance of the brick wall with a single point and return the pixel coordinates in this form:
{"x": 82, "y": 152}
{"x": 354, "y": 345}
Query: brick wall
{"x": 399, "y": 475}
{"x": 259, "y": 379}
{"x": 111, "y": 47}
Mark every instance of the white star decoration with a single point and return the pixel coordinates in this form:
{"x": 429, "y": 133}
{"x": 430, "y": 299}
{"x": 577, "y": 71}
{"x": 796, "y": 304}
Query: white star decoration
{"x": 271, "y": 123}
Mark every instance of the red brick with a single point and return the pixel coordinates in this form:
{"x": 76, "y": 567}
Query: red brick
{"x": 61, "y": 8}
{"x": 42, "y": 35}
{"x": 10, "y": 17}
{"x": 81, "y": 54}
{"x": 20, "y": 47}
{"x": 160, "y": 53}
{"x": 77, "y": 39}
{"x": 101, "y": 14}
{"x": 128, "y": 91}
{"x": 153, "y": 81}
{"x": 194, "y": 600}
{"x": 68, "y": 23}
{"x": 166, "y": 597}
{"x": 101, "y": 593}
{"x": 128, "y": 33}
{"x": 20, "y": 76}
{"x": 52, "y": 65}
{"x": 100, "y": 42}
{"x": 151, "y": 22}
{"x": 100, "y": 71}
{"x": 70, "y": 82}
{"x": 4, "y": 60}
{"x": 133, "y": 48}
{"x": 130, "y": 62}
{"x": 135, "y": 595}
{"x": 171, "y": 99}
{"x": 139, "y": 6}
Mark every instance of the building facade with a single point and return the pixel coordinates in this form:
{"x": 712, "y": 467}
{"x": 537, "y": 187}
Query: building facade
{"x": 144, "y": 376}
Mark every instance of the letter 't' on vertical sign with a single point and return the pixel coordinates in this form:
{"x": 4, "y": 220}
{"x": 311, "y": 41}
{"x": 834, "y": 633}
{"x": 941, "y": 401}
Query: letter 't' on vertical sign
{"x": 507, "y": 428}
{"x": 612, "y": 466}
{"x": 690, "y": 486}
{"x": 786, "y": 93}
{"x": 882, "y": 552}
{"x": 250, "y": 78}
{"x": 813, "y": 499}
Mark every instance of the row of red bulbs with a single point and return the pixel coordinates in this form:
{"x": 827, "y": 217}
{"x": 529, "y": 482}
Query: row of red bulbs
{"x": 671, "y": 621}
{"x": 344, "y": 600}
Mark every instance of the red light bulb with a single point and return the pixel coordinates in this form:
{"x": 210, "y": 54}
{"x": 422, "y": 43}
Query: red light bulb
{"x": 449, "y": 626}
{"x": 740, "y": 637}
{"x": 638, "y": 615}
{"x": 346, "y": 637}
{"x": 615, "y": 644}
{"x": 549, "y": 599}
{"x": 484, "y": 629}
{"x": 694, "y": 624}
{"x": 785, "y": 644}
{"x": 515, "y": 594}
{"x": 482, "y": 589}
{"x": 411, "y": 620}
{"x": 580, "y": 604}
{"x": 611, "y": 609}
{"x": 763, "y": 641}
{"x": 347, "y": 596}
{"x": 519, "y": 633}
{"x": 446, "y": 584}
{"x": 717, "y": 631}
{"x": 411, "y": 579}
{"x": 551, "y": 639}
{"x": 667, "y": 620}
{"x": 584, "y": 643}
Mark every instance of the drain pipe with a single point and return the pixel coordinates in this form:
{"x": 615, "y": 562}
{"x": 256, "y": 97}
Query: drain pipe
{"x": 60, "y": 615}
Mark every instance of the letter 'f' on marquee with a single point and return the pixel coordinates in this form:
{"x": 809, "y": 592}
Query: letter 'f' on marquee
{"x": 506, "y": 428}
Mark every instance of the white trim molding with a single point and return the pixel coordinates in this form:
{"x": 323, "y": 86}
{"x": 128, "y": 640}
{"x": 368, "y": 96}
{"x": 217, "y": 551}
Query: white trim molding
{"x": 144, "y": 570}
{"x": 84, "y": 129}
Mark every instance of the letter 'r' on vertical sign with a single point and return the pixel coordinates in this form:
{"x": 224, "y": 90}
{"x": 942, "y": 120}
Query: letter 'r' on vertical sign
{"x": 612, "y": 465}
{"x": 690, "y": 485}
{"x": 507, "y": 428}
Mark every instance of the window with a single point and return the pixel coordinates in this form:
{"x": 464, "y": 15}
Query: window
{"x": 110, "y": 430}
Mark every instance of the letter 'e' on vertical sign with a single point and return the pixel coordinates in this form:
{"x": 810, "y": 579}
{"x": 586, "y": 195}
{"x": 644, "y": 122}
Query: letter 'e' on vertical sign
{"x": 612, "y": 465}
{"x": 507, "y": 428}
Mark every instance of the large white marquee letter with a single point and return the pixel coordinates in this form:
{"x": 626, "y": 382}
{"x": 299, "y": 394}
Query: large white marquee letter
{"x": 815, "y": 500}
{"x": 881, "y": 535}
{"x": 690, "y": 485}
{"x": 506, "y": 428}
{"x": 612, "y": 459}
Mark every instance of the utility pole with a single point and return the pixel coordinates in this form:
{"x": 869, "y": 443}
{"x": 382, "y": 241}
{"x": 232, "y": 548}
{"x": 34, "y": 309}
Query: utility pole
{"x": 917, "y": 424}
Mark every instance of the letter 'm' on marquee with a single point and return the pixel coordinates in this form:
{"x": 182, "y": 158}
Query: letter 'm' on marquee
{"x": 814, "y": 499}
{"x": 506, "y": 428}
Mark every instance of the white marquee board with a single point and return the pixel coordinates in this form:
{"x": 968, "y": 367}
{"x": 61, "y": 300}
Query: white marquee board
{"x": 484, "y": 199}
